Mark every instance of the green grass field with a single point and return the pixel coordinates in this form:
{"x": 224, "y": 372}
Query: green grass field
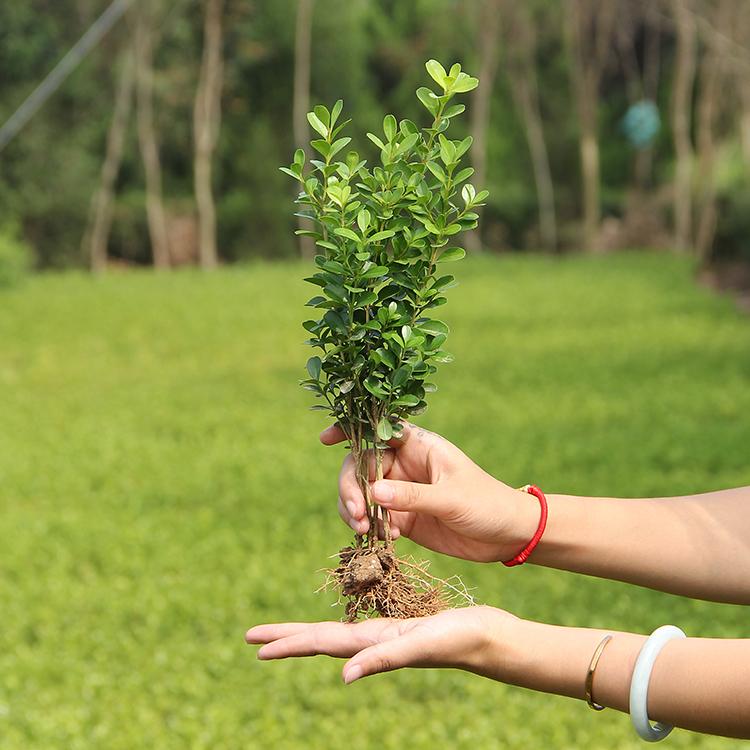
{"x": 162, "y": 489}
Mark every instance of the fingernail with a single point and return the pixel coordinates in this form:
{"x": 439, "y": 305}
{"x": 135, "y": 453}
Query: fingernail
{"x": 353, "y": 674}
{"x": 382, "y": 492}
{"x": 352, "y": 508}
{"x": 354, "y": 523}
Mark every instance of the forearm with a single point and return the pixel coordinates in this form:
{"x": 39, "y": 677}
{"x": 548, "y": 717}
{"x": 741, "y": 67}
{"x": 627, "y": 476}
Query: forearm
{"x": 697, "y": 546}
{"x": 697, "y": 684}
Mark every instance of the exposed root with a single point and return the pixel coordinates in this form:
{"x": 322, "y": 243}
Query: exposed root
{"x": 375, "y": 581}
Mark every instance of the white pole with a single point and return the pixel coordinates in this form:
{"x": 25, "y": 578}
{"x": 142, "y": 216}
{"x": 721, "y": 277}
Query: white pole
{"x": 63, "y": 69}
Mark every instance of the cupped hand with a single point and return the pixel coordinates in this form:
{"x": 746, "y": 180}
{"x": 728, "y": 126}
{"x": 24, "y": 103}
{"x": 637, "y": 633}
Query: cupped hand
{"x": 440, "y": 499}
{"x": 461, "y": 638}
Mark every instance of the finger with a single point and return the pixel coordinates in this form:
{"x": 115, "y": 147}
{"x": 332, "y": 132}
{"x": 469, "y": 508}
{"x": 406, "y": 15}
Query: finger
{"x": 272, "y": 631}
{"x": 350, "y": 493}
{"x": 332, "y": 435}
{"x": 335, "y": 639}
{"x": 410, "y": 649}
{"x": 358, "y": 525}
{"x": 413, "y": 497}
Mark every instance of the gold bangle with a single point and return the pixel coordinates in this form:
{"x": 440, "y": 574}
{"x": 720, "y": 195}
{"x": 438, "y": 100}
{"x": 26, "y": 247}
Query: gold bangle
{"x": 590, "y": 675}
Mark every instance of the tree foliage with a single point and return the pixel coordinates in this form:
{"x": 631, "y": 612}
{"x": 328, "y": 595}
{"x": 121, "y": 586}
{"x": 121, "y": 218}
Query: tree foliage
{"x": 370, "y": 53}
{"x": 384, "y": 232}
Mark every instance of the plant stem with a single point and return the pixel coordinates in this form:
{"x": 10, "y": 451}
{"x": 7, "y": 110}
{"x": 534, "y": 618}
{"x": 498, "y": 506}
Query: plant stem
{"x": 379, "y": 456}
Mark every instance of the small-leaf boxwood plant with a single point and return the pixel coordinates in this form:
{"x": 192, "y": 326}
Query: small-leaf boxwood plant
{"x": 385, "y": 236}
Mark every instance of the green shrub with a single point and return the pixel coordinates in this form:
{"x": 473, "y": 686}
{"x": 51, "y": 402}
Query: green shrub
{"x": 15, "y": 256}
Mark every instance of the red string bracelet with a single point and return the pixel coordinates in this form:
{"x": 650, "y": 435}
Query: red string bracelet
{"x": 523, "y": 555}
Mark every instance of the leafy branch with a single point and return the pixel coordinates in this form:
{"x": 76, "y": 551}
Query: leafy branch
{"x": 383, "y": 233}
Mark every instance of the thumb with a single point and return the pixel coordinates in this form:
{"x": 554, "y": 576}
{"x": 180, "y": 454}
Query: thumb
{"x": 410, "y": 497}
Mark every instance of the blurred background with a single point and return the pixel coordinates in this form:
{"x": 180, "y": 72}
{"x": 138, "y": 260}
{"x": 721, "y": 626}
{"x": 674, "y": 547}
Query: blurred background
{"x": 597, "y": 125}
{"x": 161, "y": 484}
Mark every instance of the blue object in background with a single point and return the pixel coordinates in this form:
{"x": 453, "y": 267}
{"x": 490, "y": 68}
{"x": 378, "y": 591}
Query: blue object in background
{"x": 641, "y": 123}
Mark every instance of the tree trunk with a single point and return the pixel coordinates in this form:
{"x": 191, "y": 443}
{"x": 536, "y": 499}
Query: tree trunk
{"x": 588, "y": 27}
{"x": 743, "y": 84}
{"x": 147, "y": 137}
{"x": 488, "y": 29}
{"x": 301, "y": 103}
{"x": 651, "y": 69}
{"x": 97, "y": 237}
{"x": 206, "y": 123}
{"x": 742, "y": 77}
{"x": 521, "y": 69}
{"x": 715, "y": 65}
{"x": 682, "y": 92}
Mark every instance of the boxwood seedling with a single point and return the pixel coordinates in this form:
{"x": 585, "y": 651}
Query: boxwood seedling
{"x": 385, "y": 233}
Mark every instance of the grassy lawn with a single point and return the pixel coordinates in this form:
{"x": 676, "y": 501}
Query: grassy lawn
{"x": 162, "y": 489}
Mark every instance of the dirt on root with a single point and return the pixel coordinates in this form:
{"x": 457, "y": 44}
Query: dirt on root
{"x": 375, "y": 581}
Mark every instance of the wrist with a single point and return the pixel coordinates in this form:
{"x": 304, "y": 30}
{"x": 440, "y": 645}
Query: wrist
{"x": 529, "y": 518}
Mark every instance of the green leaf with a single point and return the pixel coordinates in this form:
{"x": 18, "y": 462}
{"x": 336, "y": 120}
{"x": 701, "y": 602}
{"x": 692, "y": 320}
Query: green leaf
{"x": 337, "y": 146}
{"x": 390, "y": 128}
{"x": 334, "y": 321}
{"x": 457, "y": 109}
{"x": 444, "y": 357}
{"x": 385, "y": 430}
{"x": 347, "y": 385}
{"x": 451, "y": 254}
{"x": 430, "y": 227}
{"x": 317, "y": 124}
{"x": 336, "y": 111}
{"x": 327, "y": 245}
{"x": 447, "y": 150}
{"x": 464, "y": 146}
{"x": 322, "y": 147}
{"x": 377, "y": 142}
{"x": 434, "y": 327}
{"x": 374, "y": 386}
{"x": 387, "y": 357}
{"x": 437, "y": 72}
{"x": 437, "y": 342}
{"x": 344, "y": 232}
{"x": 464, "y": 83}
{"x": 363, "y": 220}
{"x": 443, "y": 282}
{"x": 336, "y": 293}
{"x": 464, "y": 174}
{"x": 374, "y": 272}
{"x": 405, "y": 400}
{"x": 407, "y": 144}
{"x": 401, "y": 376}
{"x": 332, "y": 266}
{"x": 322, "y": 114}
{"x": 468, "y": 193}
{"x": 288, "y": 171}
{"x": 407, "y": 127}
{"x": 429, "y": 100}
{"x": 380, "y": 236}
{"x": 437, "y": 170}
{"x": 314, "y": 367}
